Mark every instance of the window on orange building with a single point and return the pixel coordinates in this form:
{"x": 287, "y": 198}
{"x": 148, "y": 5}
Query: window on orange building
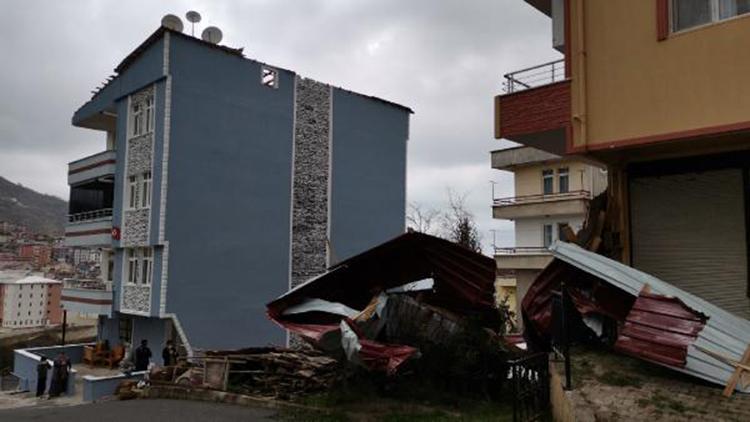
{"x": 688, "y": 14}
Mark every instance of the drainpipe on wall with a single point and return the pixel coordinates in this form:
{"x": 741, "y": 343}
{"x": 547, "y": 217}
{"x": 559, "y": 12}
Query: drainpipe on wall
{"x": 579, "y": 54}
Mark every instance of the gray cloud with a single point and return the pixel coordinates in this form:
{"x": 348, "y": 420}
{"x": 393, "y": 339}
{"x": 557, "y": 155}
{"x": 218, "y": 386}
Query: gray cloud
{"x": 442, "y": 58}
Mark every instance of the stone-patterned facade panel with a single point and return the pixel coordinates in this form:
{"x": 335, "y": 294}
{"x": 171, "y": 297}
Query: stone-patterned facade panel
{"x": 136, "y": 298}
{"x": 140, "y": 154}
{"x": 136, "y": 227}
{"x": 310, "y": 186}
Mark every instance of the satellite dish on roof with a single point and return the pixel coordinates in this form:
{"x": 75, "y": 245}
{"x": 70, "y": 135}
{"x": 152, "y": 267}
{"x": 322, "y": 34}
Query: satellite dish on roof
{"x": 211, "y": 34}
{"x": 193, "y": 17}
{"x": 172, "y": 22}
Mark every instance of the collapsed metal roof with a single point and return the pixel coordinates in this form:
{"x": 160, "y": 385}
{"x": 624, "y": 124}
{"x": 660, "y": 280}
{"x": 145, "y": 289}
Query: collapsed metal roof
{"x": 724, "y": 334}
{"x": 463, "y": 279}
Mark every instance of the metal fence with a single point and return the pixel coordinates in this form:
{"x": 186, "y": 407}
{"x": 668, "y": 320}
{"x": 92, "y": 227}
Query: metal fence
{"x": 90, "y": 215}
{"x": 531, "y": 77}
{"x": 530, "y": 377}
{"x": 528, "y": 199}
{"x": 522, "y": 250}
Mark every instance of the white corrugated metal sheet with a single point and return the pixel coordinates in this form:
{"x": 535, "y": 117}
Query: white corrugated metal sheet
{"x": 724, "y": 333}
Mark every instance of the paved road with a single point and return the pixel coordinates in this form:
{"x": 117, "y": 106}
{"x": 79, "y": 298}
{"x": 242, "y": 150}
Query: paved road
{"x": 139, "y": 410}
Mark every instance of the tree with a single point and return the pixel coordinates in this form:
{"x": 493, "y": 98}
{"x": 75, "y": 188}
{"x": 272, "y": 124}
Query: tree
{"x": 420, "y": 218}
{"x": 459, "y": 225}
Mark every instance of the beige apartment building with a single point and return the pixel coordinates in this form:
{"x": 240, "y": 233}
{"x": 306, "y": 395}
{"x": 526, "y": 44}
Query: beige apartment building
{"x": 658, "y": 92}
{"x": 551, "y": 192}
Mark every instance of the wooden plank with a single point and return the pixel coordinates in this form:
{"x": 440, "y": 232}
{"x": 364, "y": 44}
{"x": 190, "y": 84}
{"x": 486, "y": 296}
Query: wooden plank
{"x": 737, "y": 374}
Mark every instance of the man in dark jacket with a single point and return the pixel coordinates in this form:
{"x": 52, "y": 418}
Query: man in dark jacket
{"x": 169, "y": 354}
{"x": 142, "y": 356}
{"x": 41, "y": 376}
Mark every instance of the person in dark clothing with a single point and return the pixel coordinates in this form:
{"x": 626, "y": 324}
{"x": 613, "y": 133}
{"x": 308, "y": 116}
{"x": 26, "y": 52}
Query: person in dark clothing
{"x": 41, "y": 376}
{"x": 142, "y": 356}
{"x": 169, "y": 354}
{"x": 59, "y": 384}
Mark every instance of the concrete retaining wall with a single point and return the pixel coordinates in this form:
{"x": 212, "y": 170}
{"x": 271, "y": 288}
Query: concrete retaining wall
{"x": 25, "y": 362}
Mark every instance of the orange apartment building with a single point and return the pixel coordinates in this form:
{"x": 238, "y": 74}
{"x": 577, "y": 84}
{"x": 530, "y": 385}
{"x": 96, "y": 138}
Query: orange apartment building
{"x": 657, "y": 91}
{"x": 38, "y": 254}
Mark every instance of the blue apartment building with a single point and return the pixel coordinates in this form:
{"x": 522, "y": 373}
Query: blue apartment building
{"x": 225, "y": 181}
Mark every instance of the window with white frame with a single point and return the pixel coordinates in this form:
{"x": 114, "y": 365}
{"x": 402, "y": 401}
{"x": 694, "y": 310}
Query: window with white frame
{"x": 548, "y": 182}
{"x": 132, "y": 263}
{"x": 547, "y": 235}
{"x": 140, "y": 265}
{"x": 136, "y": 118}
{"x": 563, "y": 179}
{"x": 139, "y": 191}
{"x": 146, "y": 190}
{"x": 141, "y": 115}
{"x": 147, "y": 265}
{"x": 132, "y": 192}
{"x": 691, "y": 13}
{"x": 149, "y": 113}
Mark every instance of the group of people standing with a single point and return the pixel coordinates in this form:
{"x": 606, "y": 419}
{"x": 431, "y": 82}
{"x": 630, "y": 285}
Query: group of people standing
{"x": 60, "y": 370}
{"x": 143, "y": 355}
{"x": 61, "y": 366}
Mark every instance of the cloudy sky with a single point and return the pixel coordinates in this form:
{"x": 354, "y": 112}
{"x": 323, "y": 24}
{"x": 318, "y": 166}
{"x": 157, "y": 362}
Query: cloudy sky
{"x": 442, "y": 58}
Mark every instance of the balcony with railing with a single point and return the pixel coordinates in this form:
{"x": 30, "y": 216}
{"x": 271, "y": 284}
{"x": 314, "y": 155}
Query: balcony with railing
{"x": 562, "y": 203}
{"x": 521, "y": 250}
{"x": 534, "y": 76}
{"x": 90, "y": 213}
{"x": 522, "y": 257}
{"x": 93, "y": 167}
{"x": 534, "y": 107}
{"x": 92, "y": 297}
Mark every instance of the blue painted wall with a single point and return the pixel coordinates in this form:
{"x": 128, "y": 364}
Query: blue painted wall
{"x": 24, "y": 365}
{"x": 368, "y": 190}
{"x": 229, "y": 196}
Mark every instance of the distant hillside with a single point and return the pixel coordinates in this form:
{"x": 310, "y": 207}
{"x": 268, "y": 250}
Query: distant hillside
{"x": 44, "y": 214}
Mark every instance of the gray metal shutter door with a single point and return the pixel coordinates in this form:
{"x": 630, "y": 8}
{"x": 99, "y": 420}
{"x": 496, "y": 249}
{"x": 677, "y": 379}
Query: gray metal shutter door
{"x": 689, "y": 230}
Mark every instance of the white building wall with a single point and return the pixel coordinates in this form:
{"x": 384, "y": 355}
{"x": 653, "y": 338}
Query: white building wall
{"x": 530, "y": 231}
{"x": 25, "y": 305}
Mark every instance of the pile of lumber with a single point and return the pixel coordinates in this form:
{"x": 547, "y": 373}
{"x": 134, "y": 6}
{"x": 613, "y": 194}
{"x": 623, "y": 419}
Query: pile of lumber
{"x": 272, "y": 372}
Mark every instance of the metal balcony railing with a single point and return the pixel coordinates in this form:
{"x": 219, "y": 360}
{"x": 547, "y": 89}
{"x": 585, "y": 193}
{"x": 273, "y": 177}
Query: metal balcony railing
{"x": 86, "y": 284}
{"x": 532, "y": 199}
{"x": 522, "y": 250}
{"x": 531, "y": 77}
{"x": 90, "y": 215}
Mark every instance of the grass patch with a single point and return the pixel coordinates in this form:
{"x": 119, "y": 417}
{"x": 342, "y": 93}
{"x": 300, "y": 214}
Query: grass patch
{"x": 619, "y": 379}
{"x": 666, "y": 404}
{"x": 409, "y": 399}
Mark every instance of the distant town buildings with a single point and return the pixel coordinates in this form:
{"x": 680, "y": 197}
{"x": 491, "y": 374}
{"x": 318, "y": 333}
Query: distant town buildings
{"x": 225, "y": 181}
{"x": 29, "y": 300}
{"x": 551, "y": 193}
{"x": 39, "y": 254}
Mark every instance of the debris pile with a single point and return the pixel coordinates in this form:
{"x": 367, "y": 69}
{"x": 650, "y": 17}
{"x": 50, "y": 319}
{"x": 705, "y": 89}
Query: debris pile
{"x": 270, "y": 372}
{"x": 634, "y": 312}
{"x": 385, "y": 307}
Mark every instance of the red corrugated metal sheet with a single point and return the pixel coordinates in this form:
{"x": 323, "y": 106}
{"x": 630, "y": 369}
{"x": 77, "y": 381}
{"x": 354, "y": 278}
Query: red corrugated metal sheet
{"x": 588, "y": 294}
{"x": 463, "y": 285}
{"x": 464, "y": 280}
{"x": 660, "y": 329}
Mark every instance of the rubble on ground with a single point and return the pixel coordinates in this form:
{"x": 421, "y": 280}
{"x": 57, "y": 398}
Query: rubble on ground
{"x": 382, "y": 308}
{"x": 415, "y": 300}
{"x": 271, "y": 372}
{"x": 633, "y": 312}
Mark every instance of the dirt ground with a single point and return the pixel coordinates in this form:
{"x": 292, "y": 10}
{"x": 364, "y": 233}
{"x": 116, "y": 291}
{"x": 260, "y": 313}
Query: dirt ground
{"x": 612, "y": 387}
